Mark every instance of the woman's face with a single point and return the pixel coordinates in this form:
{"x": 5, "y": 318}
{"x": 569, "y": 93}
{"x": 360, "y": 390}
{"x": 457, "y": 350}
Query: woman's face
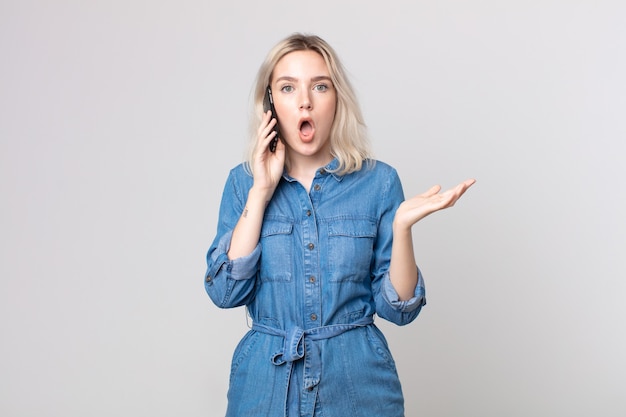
{"x": 305, "y": 101}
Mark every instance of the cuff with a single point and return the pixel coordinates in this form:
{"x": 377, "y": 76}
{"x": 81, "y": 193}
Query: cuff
{"x": 237, "y": 269}
{"x": 405, "y": 306}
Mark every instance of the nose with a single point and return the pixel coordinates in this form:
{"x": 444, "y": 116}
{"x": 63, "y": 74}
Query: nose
{"x": 305, "y": 102}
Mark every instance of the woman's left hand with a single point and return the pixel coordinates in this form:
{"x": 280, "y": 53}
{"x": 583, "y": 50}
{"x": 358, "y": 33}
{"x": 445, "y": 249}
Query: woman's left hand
{"x": 414, "y": 209}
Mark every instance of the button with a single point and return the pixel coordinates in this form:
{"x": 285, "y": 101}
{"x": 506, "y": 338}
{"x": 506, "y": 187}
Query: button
{"x": 311, "y": 246}
{"x": 323, "y": 171}
{"x": 313, "y": 317}
{"x": 317, "y": 187}
{"x": 308, "y": 213}
{"x": 311, "y": 279}
{"x": 208, "y": 278}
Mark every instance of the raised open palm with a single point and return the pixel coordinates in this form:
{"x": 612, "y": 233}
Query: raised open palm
{"x": 416, "y": 208}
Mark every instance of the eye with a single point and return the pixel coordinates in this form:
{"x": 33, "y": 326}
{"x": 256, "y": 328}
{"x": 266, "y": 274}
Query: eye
{"x": 286, "y": 88}
{"x": 321, "y": 87}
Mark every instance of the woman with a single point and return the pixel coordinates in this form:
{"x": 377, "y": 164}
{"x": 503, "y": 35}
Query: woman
{"x": 314, "y": 238}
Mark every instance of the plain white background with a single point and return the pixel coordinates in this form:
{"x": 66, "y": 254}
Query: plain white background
{"x": 120, "y": 119}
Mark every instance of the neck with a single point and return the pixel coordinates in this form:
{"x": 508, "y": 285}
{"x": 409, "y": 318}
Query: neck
{"x": 304, "y": 170}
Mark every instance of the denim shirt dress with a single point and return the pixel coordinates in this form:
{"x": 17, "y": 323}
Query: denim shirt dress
{"x": 312, "y": 286}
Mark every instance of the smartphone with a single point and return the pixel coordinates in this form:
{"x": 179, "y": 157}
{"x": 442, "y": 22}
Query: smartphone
{"x": 268, "y": 104}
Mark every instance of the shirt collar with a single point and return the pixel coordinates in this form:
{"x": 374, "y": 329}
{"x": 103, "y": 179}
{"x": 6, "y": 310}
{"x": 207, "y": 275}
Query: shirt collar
{"x": 329, "y": 168}
{"x": 325, "y": 170}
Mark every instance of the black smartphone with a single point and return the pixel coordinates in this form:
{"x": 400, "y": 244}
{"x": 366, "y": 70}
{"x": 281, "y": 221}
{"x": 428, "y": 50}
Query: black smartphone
{"x": 268, "y": 104}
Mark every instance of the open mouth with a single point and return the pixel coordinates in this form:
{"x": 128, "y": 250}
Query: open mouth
{"x": 306, "y": 129}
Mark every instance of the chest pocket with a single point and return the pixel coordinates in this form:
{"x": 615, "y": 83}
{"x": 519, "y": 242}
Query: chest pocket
{"x": 276, "y": 250}
{"x": 350, "y": 245}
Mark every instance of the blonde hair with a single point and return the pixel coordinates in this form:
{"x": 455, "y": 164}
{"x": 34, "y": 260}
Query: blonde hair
{"x": 349, "y": 141}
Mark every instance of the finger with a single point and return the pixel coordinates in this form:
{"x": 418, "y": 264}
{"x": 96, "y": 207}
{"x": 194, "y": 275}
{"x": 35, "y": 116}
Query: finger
{"x": 264, "y": 142}
{"x": 432, "y": 191}
{"x": 266, "y": 122}
{"x": 464, "y": 186}
{"x": 265, "y": 135}
{"x": 455, "y": 193}
{"x": 448, "y": 198}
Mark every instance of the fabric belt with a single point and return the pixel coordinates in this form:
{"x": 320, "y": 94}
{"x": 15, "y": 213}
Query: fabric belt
{"x": 298, "y": 344}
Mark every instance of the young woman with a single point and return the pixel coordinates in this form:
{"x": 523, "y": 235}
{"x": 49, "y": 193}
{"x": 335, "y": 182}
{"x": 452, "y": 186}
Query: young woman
{"x": 314, "y": 238}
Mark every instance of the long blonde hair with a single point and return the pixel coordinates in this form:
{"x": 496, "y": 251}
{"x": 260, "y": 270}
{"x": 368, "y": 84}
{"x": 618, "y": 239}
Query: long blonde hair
{"x": 349, "y": 141}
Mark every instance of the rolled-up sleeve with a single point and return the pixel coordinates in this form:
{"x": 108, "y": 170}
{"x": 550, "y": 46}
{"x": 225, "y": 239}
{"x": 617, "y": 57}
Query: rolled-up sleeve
{"x": 230, "y": 282}
{"x": 388, "y": 303}
{"x": 237, "y": 269}
{"x": 401, "y": 311}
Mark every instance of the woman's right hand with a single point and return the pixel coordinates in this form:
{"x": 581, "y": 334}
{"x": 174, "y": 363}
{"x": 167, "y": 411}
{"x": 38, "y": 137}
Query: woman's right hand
{"x": 268, "y": 166}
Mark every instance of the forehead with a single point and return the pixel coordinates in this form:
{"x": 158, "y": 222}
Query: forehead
{"x": 301, "y": 62}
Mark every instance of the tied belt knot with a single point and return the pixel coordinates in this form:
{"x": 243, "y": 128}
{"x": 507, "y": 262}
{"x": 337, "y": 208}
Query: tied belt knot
{"x": 300, "y": 344}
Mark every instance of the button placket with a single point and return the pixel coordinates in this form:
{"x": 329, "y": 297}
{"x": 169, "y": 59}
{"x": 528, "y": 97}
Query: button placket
{"x": 311, "y": 257}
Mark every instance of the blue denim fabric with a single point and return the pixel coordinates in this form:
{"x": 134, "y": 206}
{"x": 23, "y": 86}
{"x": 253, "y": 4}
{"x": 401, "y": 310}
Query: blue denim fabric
{"x": 312, "y": 286}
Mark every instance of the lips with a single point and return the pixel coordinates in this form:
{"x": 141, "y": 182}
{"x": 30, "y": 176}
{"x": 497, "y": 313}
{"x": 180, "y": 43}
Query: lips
{"x": 306, "y": 130}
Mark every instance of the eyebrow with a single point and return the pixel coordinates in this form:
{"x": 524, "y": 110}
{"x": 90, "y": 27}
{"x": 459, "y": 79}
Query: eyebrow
{"x": 293, "y": 79}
